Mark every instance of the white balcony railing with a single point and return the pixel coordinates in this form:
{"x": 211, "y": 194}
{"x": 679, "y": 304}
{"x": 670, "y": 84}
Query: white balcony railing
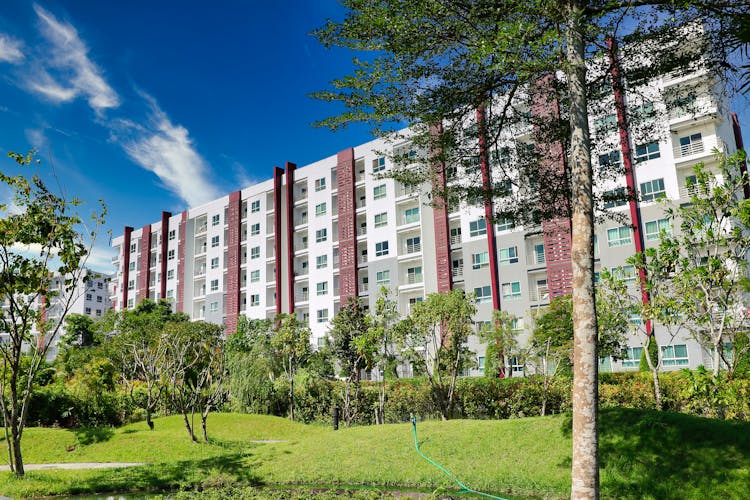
{"x": 413, "y": 278}
{"x": 201, "y": 229}
{"x": 535, "y": 258}
{"x": 455, "y": 239}
{"x": 301, "y": 296}
{"x": 540, "y": 294}
{"x": 413, "y": 248}
{"x": 362, "y": 230}
{"x": 364, "y": 287}
{"x": 458, "y": 271}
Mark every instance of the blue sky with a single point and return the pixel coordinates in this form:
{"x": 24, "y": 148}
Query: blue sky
{"x": 161, "y": 105}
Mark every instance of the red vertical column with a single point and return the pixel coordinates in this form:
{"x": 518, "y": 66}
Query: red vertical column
{"x": 277, "y": 176}
{"x": 290, "y": 168}
{"x": 125, "y": 265}
{"x": 164, "y": 245}
{"x": 556, "y": 232}
{"x": 145, "y": 270}
{"x": 440, "y": 219}
{"x": 347, "y": 225}
{"x": 740, "y": 145}
{"x": 233, "y": 261}
{"x": 489, "y": 212}
{"x": 627, "y": 161}
{"x": 181, "y": 263}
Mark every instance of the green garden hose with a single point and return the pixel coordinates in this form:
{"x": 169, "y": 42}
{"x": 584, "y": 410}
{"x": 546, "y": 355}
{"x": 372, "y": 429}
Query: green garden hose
{"x": 464, "y": 488}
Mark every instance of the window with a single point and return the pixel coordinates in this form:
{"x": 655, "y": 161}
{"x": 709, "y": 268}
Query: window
{"x": 254, "y": 300}
{"x": 414, "y": 275}
{"x": 505, "y": 224}
{"x": 381, "y": 249}
{"x": 378, "y": 165}
{"x": 214, "y": 285}
{"x": 643, "y": 114}
{"x": 414, "y": 244}
{"x": 691, "y": 185}
{"x": 478, "y": 227}
{"x": 414, "y": 300}
{"x": 87, "y": 310}
{"x": 320, "y": 209}
{"x": 321, "y": 261}
{"x": 483, "y": 294}
{"x": 255, "y": 206}
{"x": 626, "y": 273}
{"x": 321, "y": 235}
{"x": 615, "y": 198}
{"x": 648, "y": 151}
{"x": 215, "y": 219}
{"x": 411, "y": 215}
{"x": 538, "y": 254}
{"x": 133, "y": 247}
{"x": 170, "y": 255}
{"x": 99, "y": 299}
{"x": 170, "y": 274}
{"x": 172, "y": 234}
{"x": 170, "y": 294}
{"x": 691, "y": 144}
{"x": 480, "y": 260}
{"x": 511, "y": 291}
{"x": 254, "y": 276}
{"x": 516, "y": 365}
{"x": 255, "y": 229}
{"x": 131, "y": 285}
{"x": 619, "y": 236}
{"x": 655, "y": 227}
{"x": 480, "y": 363}
{"x": 213, "y": 306}
{"x": 610, "y": 160}
{"x": 214, "y": 241}
{"x": 383, "y": 277}
{"x": 320, "y": 184}
{"x": 378, "y": 192}
{"x": 632, "y": 358}
{"x": 605, "y": 123}
{"x": 322, "y": 315}
{"x": 89, "y": 296}
{"x": 255, "y": 253}
{"x": 322, "y": 288}
{"x": 131, "y": 303}
{"x": 652, "y": 190}
{"x": 381, "y": 220}
{"x": 215, "y": 263}
{"x": 509, "y": 255}
{"x": 674, "y": 355}
{"x": 99, "y": 285}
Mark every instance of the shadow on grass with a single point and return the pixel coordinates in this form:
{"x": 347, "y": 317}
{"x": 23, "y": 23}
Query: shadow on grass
{"x": 91, "y": 435}
{"x": 650, "y": 454}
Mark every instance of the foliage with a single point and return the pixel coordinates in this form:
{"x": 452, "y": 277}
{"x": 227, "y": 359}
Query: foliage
{"x": 49, "y": 227}
{"x": 291, "y": 342}
{"x": 502, "y": 343}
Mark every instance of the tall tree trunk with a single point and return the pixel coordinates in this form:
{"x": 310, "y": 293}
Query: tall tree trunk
{"x": 717, "y": 358}
{"x": 585, "y": 464}
{"x": 654, "y": 371}
{"x": 148, "y": 418}
{"x": 188, "y": 426}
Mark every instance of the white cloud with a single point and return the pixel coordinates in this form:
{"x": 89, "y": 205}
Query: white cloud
{"x": 10, "y": 49}
{"x": 36, "y": 137}
{"x": 100, "y": 259}
{"x": 167, "y": 150}
{"x": 68, "y": 59}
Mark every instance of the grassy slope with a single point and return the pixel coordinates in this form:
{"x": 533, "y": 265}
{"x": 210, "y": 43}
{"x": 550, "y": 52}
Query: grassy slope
{"x": 644, "y": 455}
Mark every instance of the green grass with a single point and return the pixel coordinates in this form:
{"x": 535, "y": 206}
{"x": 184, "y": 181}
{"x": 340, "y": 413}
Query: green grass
{"x": 644, "y": 454}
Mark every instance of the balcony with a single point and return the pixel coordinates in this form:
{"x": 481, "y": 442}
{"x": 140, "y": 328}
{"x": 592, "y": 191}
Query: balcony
{"x": 302, "y": 296}
{"x": 456, "y": 239}
{"x": 201, "y": 229}
{"x": 536, "y": 258}
{"x": 414, "y": 278}
{"x": 457, "y": 271}
{"x": 413, "y": 248}
{"x": 540, "y": 294}
{"x": 363, "y": 287}
{"x": 697, "y": 148}
{"x": 362, "y": 230}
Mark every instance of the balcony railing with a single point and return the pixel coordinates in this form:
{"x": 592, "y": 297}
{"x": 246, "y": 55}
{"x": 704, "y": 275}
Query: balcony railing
{"x": 689, "y": 149}
{"x": 413, "y": 248}
{"x": 455, "y": 239}
{"x": 364, "y": 287}
{"x": 362, "y": 230}
{"x": 458, "y": 271}
{"x": 413, "y": 278}
{"x": 540, "y": 294}
{"x": 302, "y": 296}
{"x": 201, "y": 229}
{"x": 536, "y": 258}
{"x": 407, "y": 191}
{"x": 362, "y": 259}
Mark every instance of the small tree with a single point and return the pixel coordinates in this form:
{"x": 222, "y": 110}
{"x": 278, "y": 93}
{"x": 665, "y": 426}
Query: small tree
{"x": 38, "y": 230}
{"x": 500, "y": 338}
{"x": 376, "y": 345}
{"x": 435, "y": 340}
{"x": 291, "y": 341}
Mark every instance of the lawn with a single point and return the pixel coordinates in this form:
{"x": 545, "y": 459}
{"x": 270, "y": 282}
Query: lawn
{"x": 644, "y": 454}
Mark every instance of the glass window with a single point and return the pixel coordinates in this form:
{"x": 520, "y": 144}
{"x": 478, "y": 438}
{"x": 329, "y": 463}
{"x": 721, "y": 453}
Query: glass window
{"x": 89, "y": 296}
{"x": 691, "y": 144}
{"x": 378, "y": 165}
{"x": 321, "y": 261}
{"x": 215, "y": 219}
{"x": 381, "y": 220}
{"x": 510, "y": 255}
{"x": 255, "y": 206}
{"x": 172, "y": 234}
{"x": 480, "y": 260}
{"x": 615, "y": 198}
{"x": 414, "y": 275}
{"x": 320, "y": 184}
{"x": 652, "y": 190}
{"x": 255, "y": 300}
{"x": 213, "y": 306}
{"x": 414, "y": 244}
{"x": 381, "y": 248}
{"x": 626, "y": 273}
{"x": 322, "y": 315}
{"x": 655, "y": 227}
{"x": 170, "y": 254}
{"x": 255, "y": 229}
{"x": 610, "y": 160}
{"x": 322, "y": 288}
{"x": 214, "y": 241}
{"x": 674, "y": 355}
{"x": 255, "y": 253}
{"x": 619, "y": 236}
{"x": 214, "y": 285}
{"x": 254, "y": 276}
{"x": 321, "y": 235}
{"x": 648, "y": 151}
{"x": 320, "y": 209}
{"x": 131, "y": 285}
{"x": 383, "y": 277}
{"x": 606, "y": 123}
{"x": 483, "y": 294}
{"x": 480, "y": 363}
{"x": 378, "y": 192}
{"x": 215, "y": 263}
{"x": 170, "y": 274}
{"x": 511, "y": 291}
{"x": 477, "y": 227}
{"x": 505, "y": 224}
{"x": 411, "y": 215}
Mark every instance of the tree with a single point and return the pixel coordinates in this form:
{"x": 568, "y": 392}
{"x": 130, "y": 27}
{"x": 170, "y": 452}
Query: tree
{"x": 79, "y": 331}
{"x": 434, "y": 339}
{"x": 137, "y": 345}
{"x": 501, "y": 343}
{"x": 52, "y": 233}
{"x": 707, "y": 262}
{"x": 291, "y": 341}
{"x": 78, "y": 345}
{"x": 377, "y": 344}
{"x": 194, "y": 369}
{"x": 436, "y": 63}
{"x": 349, "y": 326}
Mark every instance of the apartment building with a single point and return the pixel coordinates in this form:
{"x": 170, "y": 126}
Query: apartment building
{"x": 308, "y": 238}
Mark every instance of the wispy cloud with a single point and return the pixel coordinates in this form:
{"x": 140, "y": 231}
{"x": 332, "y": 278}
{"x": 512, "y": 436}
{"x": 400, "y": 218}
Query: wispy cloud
{"x": 100, "y": 259}
{"x": 67, "y": 72}
{"x": 10, "y": 49}
{"x": 239, "y": 172}
{"x": 36, "y": 137}
{"x": 166, "y": 149}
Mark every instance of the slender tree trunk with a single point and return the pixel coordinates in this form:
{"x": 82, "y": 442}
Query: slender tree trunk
{"x": 585, "y": 464}
{"x": 204, "y": 420}
{"x": 717, "y": 358}
{"x": 291, "y": 391}
{"x": 188, "y": 426}
{"x": 654, "y": 372}
{"x": 148, "y": 418}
